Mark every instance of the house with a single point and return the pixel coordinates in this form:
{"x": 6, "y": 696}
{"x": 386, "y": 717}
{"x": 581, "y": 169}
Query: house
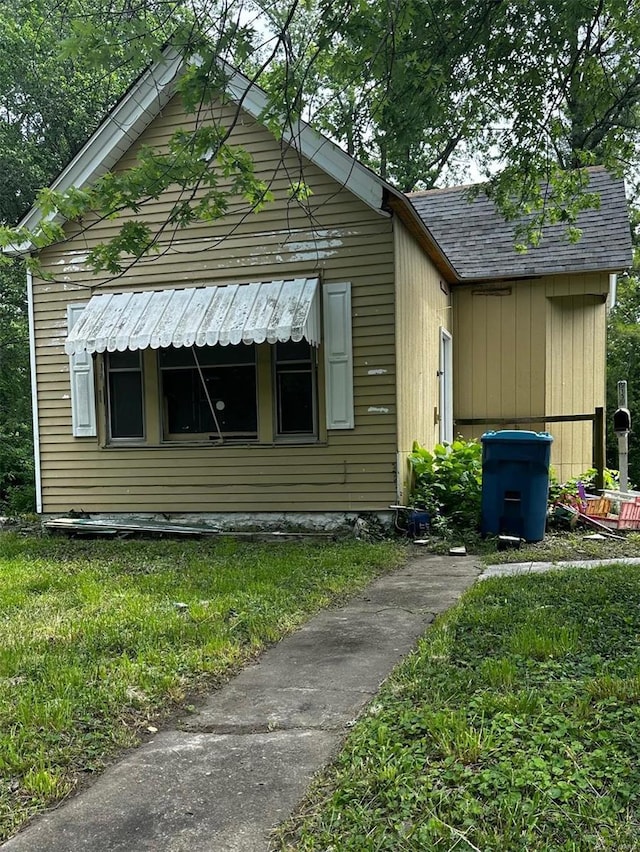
{"x": 530, "y": 329}
{"x": 280, "y": 364}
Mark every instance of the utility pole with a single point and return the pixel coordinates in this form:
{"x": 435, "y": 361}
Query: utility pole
{"x": 622, "y": 427}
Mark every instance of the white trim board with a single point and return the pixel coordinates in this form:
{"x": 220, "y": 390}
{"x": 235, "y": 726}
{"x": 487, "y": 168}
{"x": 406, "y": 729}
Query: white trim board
{"x": 144, "y": 102}
{"x": 34, "y": 392}
{"x": 113, "y": 138}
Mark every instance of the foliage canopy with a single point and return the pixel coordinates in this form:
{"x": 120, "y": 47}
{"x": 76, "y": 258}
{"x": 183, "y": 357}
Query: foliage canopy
{"x": 530, "y": 92}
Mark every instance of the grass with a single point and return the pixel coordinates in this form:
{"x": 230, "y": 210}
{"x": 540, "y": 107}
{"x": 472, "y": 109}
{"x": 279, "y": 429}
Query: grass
{"x": 100, "y": 638}
{"x": 514, "y": 727}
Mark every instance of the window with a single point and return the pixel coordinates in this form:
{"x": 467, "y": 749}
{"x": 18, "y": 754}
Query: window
{"x": 124, "y": 395}
{"x": 295, "y": 389}
{"x": 207, "y": 391}
{"x": 242, "y": 392}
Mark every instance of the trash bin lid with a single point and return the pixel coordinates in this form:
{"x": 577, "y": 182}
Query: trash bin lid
{"x": 517, "y": 435}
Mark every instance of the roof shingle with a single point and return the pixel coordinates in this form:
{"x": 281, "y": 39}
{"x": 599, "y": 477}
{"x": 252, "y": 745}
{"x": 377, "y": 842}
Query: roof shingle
{"x": 479, "y": 243}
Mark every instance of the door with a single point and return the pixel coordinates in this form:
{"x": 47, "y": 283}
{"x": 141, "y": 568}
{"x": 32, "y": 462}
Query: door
{"x": 445, "y": 375}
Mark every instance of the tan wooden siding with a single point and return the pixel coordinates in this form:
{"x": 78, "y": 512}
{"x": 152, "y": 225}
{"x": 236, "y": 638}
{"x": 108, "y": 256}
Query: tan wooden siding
{"x": 532, "y": 348}
{"x": 499, "y": 351}
{"x": 576, "y": 344}
{"x": 422, "y": 309}
{"x": 333, "y": 235}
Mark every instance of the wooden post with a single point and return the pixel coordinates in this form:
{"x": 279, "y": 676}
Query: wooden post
{"x": 598, "y": 447}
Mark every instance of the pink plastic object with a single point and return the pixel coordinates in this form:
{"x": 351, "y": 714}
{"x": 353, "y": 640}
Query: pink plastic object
{"x": 629, "y": 516}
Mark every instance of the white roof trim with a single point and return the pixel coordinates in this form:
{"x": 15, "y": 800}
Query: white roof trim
{"x": 272, "y": 311}
{"x": 125, "y": 124}
{"x": 324, "y": 153}
{"x": 144, "y": 102}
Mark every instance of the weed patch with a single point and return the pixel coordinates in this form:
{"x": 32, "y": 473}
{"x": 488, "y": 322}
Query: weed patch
{"x": 513, "y": 728}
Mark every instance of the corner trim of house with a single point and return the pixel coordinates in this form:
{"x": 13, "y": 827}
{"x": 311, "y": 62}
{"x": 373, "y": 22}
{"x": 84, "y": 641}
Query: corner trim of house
{"x": 34, "y": 391}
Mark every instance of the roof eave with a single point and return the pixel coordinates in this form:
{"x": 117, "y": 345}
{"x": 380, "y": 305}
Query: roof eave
{"x": 320, "y": 150}
{"x": 413, "y": 222}
{"x": 142, "y": 103}
{"x": 492, "y": 279}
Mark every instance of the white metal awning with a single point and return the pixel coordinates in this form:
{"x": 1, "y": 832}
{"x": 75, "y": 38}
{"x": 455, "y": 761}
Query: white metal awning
{"x": 272, "y": 311}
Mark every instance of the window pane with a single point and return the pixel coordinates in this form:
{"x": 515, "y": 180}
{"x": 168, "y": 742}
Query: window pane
{"x": 294, "y": 375}
{"x": 208, "y": 355}
{"x": 233, "y": 394}
{"x": 291, "y": 351}
{"x": 295, "y": 401}
{"x": 126, "y": 360}
{"x": 125, "y": 404}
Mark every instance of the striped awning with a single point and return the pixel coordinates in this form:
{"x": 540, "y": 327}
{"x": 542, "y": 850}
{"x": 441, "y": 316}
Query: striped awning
{"x": 272, "y": 311}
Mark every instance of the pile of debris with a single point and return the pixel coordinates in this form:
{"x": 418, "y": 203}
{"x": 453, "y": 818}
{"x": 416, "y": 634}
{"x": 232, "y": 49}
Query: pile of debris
{"x": 611, "y": 512}
{"x": 615, "y": 510}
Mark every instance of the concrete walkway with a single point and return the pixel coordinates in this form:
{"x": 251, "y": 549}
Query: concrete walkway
{"x": 512, "y": 569}
{"x": 223, "y": 779}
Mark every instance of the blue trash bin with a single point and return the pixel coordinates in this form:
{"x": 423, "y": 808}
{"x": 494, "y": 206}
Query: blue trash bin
{"x": 515, "y": 483}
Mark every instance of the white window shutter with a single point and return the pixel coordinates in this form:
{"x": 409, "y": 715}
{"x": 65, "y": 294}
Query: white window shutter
{"x": 83, "y": 400}
{"x": 338, "y": 355}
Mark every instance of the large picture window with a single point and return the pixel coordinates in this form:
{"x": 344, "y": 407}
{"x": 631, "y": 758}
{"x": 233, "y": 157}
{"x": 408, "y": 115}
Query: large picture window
{"x": 124, "y": 395}
{"x": 209, "y": 391}
{"x": 164, "y": 384}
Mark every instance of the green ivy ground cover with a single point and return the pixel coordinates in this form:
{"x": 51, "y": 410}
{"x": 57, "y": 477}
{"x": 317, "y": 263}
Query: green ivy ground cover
{"x": 514, "y": 726}
{"x": 99, "y": 638}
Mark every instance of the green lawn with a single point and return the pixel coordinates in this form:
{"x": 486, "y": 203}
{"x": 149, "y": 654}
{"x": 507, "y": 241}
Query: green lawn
{"x": 514, "y": 726}
{"x": 99, "y": 638}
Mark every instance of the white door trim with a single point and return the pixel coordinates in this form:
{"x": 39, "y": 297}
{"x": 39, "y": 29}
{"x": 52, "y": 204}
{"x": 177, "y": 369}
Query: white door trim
{"x": 445, "y": 375}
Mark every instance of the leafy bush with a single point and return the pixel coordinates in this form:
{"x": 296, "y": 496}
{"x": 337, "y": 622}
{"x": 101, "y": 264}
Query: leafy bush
{"x": 20, "y": 500}
{"x": 448, "y": 482}
{"x": 16, "y": 468}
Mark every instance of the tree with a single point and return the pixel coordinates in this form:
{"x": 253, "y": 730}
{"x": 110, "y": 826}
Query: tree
{"x": 531, "y": 92}
{"x": 411, "y": 87}
{"x": 623, "y": 359}
{"x": 49, "y": 103}
{"x": 16, "y": 452}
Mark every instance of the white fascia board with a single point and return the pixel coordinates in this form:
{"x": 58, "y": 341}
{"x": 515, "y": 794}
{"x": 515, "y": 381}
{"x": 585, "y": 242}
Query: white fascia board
{"x": 320, "y": 150}
{"x": 115, "y": 135}
{"x": 144, "y": 102}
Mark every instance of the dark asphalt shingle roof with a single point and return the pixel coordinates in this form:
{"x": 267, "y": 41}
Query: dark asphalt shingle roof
{"x": 480, "y": 244}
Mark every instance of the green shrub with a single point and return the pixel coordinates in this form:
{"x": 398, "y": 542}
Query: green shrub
{"x": 448, "y": 482}
{"x": 20, "y": 500}
{"x": 16, "y": 467}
